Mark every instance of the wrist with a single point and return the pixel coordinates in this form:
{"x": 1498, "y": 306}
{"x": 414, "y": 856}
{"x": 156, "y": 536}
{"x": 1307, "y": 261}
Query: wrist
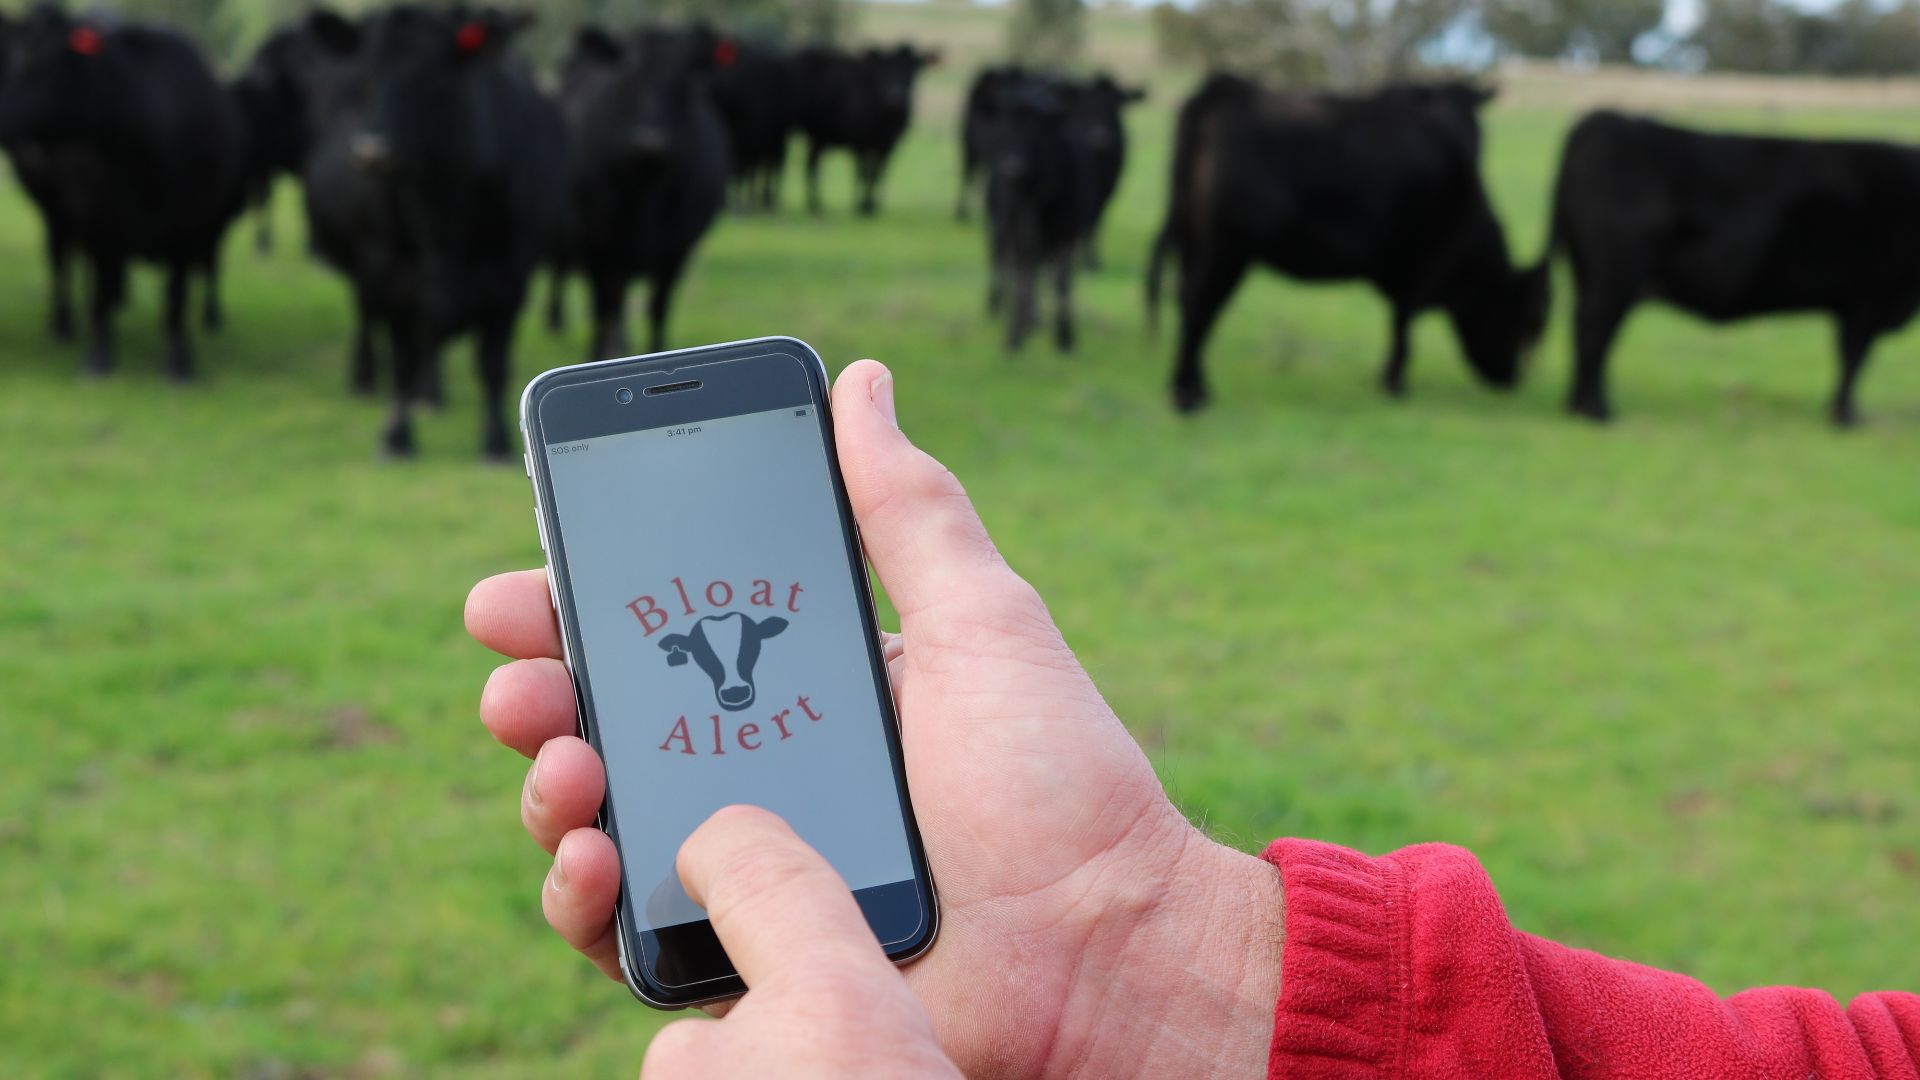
{"x": 1189, "y": 986}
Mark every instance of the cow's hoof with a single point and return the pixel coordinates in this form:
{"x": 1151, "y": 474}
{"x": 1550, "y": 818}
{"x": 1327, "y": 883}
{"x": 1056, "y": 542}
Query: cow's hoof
{"x": 397, "y": 445}
{"x": 63, "y": 329}
{"x": 1845, "y": 419}
{"x": 1597, "y": 411}
{"x": 1393, "y": 388}
{"x": 1190, "y": 399}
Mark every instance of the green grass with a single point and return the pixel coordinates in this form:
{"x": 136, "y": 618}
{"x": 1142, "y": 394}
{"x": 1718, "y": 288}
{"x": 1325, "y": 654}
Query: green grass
{"x": 1662, "y": 678}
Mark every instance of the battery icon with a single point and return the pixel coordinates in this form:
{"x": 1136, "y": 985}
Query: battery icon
{"x": 799, "y": 412}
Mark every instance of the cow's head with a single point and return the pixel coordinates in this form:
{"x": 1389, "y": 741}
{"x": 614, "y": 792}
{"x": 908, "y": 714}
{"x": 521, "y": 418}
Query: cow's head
{"x": 1501, "y": 321}
{"x": 726, "y": 647}
{"x": 651, "y": 84}
{"x": 55, "y": 90}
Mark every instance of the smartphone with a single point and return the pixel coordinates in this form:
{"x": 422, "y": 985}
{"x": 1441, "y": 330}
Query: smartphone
{"x": 714, "y": 606}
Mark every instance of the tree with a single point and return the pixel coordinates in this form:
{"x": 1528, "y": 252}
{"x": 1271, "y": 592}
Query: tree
{"x": 1856, "y": 37}
{"x": 1603, "y": 30}
{"x": 1047, "y": 33}
{"x": 1338, "y": 43}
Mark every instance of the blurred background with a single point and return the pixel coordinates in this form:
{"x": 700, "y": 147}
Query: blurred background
{"x": 1661, "y": 675}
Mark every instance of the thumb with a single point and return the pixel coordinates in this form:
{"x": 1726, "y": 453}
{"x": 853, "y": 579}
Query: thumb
{"x": 920, "y": 529}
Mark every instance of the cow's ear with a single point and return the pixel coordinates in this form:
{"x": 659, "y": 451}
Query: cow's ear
{"x": 928, "y": 57}
{"x": 675, "y": 646}
{"x": 335, "y": 32}
{"x": 1484, "y": 94}
{"x": 771, "y": 626}
{"x": 595, "y": 43}
{"x": 1133, "y": 95}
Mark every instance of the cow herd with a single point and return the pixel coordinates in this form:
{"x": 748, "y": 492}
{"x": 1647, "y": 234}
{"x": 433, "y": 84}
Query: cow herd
{"x": 439, "y": 177}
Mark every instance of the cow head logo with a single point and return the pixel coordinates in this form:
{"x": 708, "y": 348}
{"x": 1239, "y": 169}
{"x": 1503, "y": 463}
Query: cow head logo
{"x": 726, "y": 647}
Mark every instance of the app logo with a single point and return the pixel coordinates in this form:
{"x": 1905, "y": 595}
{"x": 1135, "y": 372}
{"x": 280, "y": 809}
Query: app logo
{"x": 725, "y": 647}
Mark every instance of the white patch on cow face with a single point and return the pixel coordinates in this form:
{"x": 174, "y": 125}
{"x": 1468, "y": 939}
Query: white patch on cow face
{"x": 725, "y": 635}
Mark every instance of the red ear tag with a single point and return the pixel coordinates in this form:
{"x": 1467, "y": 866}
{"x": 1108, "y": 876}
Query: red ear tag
{"x": 85, "y": 40}
{"x": 725, "y": 53}
{"x": 470, "y": 37}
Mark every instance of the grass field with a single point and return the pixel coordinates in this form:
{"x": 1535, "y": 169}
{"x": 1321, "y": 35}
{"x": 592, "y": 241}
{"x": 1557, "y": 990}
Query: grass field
{"x": 1662, "y": 677}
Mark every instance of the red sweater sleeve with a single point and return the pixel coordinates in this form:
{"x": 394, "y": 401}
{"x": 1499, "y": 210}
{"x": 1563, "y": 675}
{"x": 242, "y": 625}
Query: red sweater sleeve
{"x": 1405, "y": 967}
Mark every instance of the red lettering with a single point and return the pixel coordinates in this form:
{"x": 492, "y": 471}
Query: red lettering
{"x": 793, "y": 598}
{"x": 647, "y": 613}
{"x": 741, "y": 736}
{"x": 808, "y": 709}
{"x": 717, "y": 748}
{"x": 780, "y": 721}
{"x": 684, "y": 600}
{"x": 679, "y": 732}
{"x": 762, "y": 593}
{"x": 719, "y": 585}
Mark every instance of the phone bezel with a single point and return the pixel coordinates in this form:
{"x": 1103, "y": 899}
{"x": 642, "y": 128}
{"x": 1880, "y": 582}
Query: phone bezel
{"x": 652, "y": 369}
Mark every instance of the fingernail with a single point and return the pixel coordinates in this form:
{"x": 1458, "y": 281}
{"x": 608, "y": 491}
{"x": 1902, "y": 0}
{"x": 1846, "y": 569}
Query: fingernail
{"x": 882, "y": 391}
{"x": 558, "y": 877}
{"x": 533, "y": 778}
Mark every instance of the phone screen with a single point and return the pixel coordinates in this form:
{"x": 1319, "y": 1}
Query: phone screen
{"x": 725, "y": 650}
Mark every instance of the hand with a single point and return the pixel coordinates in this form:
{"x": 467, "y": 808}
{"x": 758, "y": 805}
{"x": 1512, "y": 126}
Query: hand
{"x": 1087, "y": 927}
{"x": 824, "y": 1001}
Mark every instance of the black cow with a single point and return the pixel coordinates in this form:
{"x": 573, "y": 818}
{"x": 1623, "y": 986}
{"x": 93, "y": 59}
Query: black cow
{"x": 754, "y": 87}
{"x": 1095, "y": 126}
{"x": 980, "y": 120}
{"x": 272, "y": 93}
{"x": 861, "y": 102}
{"x": 436, "y": 185}
{"x": 132, "y": 150}
{"x": 1732, "y": 226}
{"x": 1384, "y": 189}
{"x": 1039, "y": 204}
{"x": 726, "y": 647}
{"x": 651, "y": 172}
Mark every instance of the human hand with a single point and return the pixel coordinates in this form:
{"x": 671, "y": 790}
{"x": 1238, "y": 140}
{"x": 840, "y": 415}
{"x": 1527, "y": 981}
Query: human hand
{"x": 1086, "y": 927}
{"x": 823, "y": 999}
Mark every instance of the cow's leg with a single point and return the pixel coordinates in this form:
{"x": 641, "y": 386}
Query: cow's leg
{"x": 363, "y": 365}
{"x": 814, "y": 150}
{"x": 1393, "y": 378}
{"x": 1598, "y": 314}
{"x": 494, "y": 351}
{"x": 1856, "y": 342}
{"x": 429, "y": 389}
{"x": 866, "y": 176}
{"x": 109, "y": 285}
{"x": 59, "y": 265}
{"x": 1063, "y": 300}
{"x": 179, "y": 347}
{"x": 263, "y": 218}
{"x": 406, "y": 346}
{"x": 660, "y": 300}
{"x": 1206, "y": 282}
{"x": 212, "y": 315}
{"x": 609, "y": 316}
{"x": 1025, "y": 303}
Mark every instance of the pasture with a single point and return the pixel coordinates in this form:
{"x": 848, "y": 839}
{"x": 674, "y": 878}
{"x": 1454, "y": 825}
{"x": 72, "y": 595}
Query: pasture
{"x": 1662, "y": 677}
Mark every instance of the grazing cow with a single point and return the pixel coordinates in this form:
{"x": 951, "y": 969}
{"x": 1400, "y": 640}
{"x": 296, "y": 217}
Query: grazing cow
{"x": 132, "y": 149}
{"x": 1384, "y": 189}
{"x": 1732, "y": 226}
{"x": 979, "y": 125}
{"x": 1039, "y": 203}
{"x": 437, "y": 186}
{"x": 651, "y": 170}
{"x": 726, "y": 647}
{"x": 861, "y": 102}
{"x": 754, "y": 88}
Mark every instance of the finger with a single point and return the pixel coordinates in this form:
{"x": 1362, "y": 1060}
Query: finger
{"x": 563, "y": 790}
{"x": 779, "y": 909}
{"x": 892, "y": 646}
{"x": 919, "y": 528}
{"x": 513, "y": 614}
{"x": 579, "y": 896}
{"x": 527, "y": 702}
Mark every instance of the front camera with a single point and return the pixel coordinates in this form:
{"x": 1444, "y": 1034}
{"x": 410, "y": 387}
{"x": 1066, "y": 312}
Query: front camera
{"x": 623, "y": 395}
